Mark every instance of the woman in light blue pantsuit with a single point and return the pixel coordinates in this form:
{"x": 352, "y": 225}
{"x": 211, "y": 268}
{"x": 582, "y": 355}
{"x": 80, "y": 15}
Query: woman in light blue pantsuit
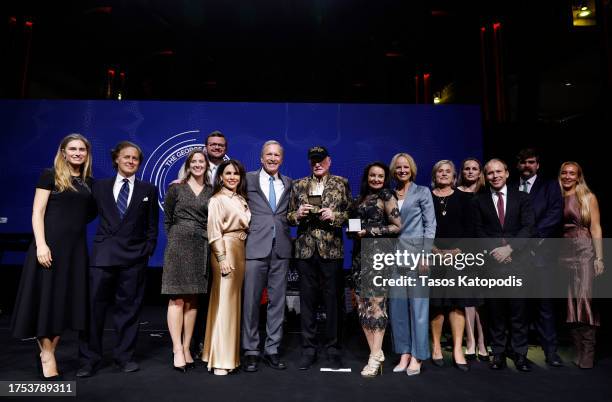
{"x": 409, "y": 314}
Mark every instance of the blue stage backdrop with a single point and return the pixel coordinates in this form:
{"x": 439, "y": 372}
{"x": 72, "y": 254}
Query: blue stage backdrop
{"x": 355, "y": 135}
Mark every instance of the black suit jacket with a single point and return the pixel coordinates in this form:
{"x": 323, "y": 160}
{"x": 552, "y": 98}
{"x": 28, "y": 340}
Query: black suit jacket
{"x": 547, "y": 202}
{"x": 127, "y": 241}
{"x": 519, "y": 221}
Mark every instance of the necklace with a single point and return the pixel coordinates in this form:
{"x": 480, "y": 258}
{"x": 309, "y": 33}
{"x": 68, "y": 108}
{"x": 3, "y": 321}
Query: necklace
{"x": 443, "y": 203}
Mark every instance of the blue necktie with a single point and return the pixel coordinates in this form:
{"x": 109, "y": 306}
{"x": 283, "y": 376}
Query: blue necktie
{"x": 272, "y": 194}
{"x": 272, "y": 201}
{"x": 122, "y": 198}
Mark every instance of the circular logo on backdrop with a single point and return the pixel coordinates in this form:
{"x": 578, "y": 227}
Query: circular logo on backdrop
{"x": 164, "y": 165}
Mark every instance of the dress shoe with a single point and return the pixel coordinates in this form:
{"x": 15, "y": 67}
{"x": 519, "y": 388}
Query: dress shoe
{"x": 307, "y": 361}
{"x": 250, "y": 364}
{"x": 412, "y": 372}
{"x": 553, "y": 360}
{"x": 522, "y": 364}
{"x": 438, "y": 362}
{"x": 86, "y": 371}
{"x": 470, "y": 356}
{"x": 461, "y": 366}
{"x": 334, "y": 361}
{"x": 129, "y": 367}
{"x": 274, "y": 361}
{"x": 498, "y": 362}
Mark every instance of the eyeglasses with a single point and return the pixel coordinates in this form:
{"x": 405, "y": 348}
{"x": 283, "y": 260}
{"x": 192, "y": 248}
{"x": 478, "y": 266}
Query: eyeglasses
{"x": 216, "y": 145}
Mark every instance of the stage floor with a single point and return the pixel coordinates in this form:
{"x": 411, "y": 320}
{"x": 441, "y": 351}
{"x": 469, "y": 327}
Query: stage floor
{"x": 156, "y": 381}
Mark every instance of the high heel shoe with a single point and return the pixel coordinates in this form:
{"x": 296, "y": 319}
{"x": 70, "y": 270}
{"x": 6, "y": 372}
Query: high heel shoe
{"x": 39, "y": 367}
{"x": 411, "y": 372}
{"x": 374, "y": 366}
{"x": 460, "y": 366}
{"x": 399, "y": 368}
{"x": 182, "y": 369}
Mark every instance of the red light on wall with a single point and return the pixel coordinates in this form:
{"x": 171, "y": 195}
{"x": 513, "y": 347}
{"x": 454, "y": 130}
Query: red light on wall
{"x": 111, "y": 72}
{"x": 13, "y": 20}
{"x": 482, "y": 29}
{"x": 439, "y": 13}
{"x": 393, "y": 54}
{"x": 122, "y": 75}
{"x": 167, "y": 52}
{"x": 426, "y": 76}
{"x": 28, "y": 24}
{"x": 496, "y": 26}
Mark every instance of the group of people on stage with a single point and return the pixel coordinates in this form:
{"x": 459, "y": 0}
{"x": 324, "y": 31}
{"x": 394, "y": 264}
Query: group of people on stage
{"x": 228, "y": 232}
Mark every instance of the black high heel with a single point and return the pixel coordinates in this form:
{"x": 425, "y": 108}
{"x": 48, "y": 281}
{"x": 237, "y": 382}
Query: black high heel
{"x": 182, "y": 369}
{"x": 39, "y": 367}
{"x": 461, "y": 366}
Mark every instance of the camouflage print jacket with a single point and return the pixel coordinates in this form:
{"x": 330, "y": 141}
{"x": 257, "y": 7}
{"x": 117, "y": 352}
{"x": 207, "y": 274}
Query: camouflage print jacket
{"x": 313, "y": 234}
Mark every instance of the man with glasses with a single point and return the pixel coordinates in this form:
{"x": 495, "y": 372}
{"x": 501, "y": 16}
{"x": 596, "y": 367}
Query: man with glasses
{"x": 216, "y": 148}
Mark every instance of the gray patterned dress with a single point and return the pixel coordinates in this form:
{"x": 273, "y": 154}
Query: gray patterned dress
{"x": 186, "y": 253}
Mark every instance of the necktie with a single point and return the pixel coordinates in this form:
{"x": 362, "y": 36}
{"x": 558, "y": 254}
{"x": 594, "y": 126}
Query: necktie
{"x": 525, "y": 187}
{"x": 122, "y": 198}
{"x": 272, "y": 194}
{"x": 500, "y": 207}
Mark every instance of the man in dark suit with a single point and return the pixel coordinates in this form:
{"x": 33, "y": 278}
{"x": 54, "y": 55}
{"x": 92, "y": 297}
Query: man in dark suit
{"x": 547, "y": 203}
{"x": 319, "y": 252}
{"x": 268, "y": 250}
{"x": 504, "y": 217}
{"x": 125, "y": 239}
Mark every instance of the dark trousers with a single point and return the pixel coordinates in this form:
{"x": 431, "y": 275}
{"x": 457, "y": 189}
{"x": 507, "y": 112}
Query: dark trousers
{"x": 121, "y": 288}
{"x": 508, "y": 315}
{"x": 325, "y": 275}
{"x": 265, "y": 273}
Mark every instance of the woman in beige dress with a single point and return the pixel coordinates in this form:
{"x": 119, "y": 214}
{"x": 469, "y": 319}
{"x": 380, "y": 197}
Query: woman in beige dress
{"x": 228, "y": 222}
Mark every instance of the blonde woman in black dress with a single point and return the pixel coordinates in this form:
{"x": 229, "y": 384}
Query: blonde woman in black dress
{"x": 184, "y": 275}
{"x": 52, "y": 294}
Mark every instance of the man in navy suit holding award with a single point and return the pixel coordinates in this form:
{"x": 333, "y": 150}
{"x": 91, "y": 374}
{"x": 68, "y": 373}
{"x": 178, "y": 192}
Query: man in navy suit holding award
{"x": 125, "y": 239}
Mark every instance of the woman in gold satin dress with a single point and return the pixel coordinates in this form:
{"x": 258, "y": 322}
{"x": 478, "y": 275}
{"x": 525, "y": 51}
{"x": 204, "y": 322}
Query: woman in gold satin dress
{"x": 228, "y": 222}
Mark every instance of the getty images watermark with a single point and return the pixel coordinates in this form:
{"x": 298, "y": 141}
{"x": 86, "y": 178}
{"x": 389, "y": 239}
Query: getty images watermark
{"x": 479, "y": 268}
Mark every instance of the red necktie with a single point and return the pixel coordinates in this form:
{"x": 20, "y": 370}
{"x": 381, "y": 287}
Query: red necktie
{"x": 500, "y": 207}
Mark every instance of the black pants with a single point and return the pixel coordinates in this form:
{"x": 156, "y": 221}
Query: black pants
{"x": 325, "y": 275}
{"x": 508, "y": 315}
{"x": 123, "y": 289}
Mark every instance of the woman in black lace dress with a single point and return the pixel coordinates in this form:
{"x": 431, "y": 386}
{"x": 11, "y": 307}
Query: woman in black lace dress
{"x": 377, "y": 208}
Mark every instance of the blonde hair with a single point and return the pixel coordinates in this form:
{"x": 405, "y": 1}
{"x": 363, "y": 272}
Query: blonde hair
{"x": 583, "y": 192}
{"x": 437, "y": 167}
{"x": 481, "y": 180}
{"x": 411, "y": 163}
{"x": 63, "y": 178}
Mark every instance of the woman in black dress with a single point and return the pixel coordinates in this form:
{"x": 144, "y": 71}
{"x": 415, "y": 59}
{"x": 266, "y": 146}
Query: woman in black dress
{"x": 184, "y": 275}
{"x": 52, "y": 294}
{"x": 453, "y": 218}
{"x": 471, "y": 181}
{"x": 377, "y": 209}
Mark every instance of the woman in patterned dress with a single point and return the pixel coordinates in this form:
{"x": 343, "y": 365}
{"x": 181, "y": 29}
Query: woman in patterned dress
{"x": 377, "y": 209}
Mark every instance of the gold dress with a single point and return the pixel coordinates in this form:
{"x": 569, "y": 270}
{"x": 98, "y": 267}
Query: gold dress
{"x": 228, "y": 221}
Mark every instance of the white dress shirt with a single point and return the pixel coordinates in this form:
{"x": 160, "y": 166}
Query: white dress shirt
{"x": 264, "y": 184}
{"x": 211, "y": 172}
{"x": 119, "y": 184}
{"x": 529, "y": 181}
